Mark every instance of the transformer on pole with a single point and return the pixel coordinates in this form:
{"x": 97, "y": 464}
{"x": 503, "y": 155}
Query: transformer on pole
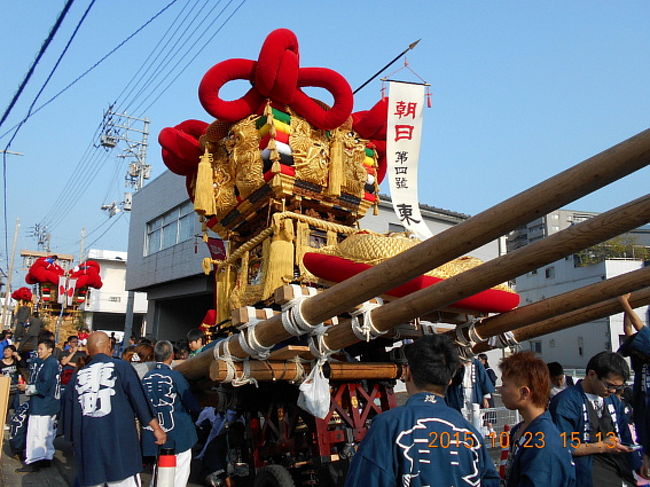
{"x": 133, "y": 134}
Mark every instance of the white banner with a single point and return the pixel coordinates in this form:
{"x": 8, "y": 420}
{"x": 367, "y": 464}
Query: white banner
{"x": 61, "y": 291}
{"x": 65, "y": 292}
{"x": 403, "y": 137}
{"x": 72, "y": 283}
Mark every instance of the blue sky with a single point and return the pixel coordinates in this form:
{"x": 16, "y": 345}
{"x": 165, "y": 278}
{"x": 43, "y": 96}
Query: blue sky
{"x": 521, "y": 91}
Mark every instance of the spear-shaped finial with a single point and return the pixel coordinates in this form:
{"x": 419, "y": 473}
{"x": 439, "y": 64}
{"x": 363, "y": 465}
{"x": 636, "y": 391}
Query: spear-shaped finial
{"x": 411, "y": 46}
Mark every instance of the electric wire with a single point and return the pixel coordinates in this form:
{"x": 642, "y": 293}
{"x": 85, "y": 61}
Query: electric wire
{"x": 101, "y": 60}
{"x": 105, "y": 231}
{"x": 133, "y": 83}
{"x": 70, "y": 188}
{"x": 44, "y": 47}
{"x": 88, "y": 171}
{"x": 29, "y": 110}
{"x": 113, "y": 181}
{"x": 68, "y": 200}
{"x": 195, "y": 55}
{"x": 89, "y": 176}
{"x": 173, "y": 54}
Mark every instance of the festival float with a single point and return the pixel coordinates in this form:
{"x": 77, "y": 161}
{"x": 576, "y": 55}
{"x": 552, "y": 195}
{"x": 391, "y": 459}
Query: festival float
{"x": 60, "y": 294}
{"x": 307, "y": 303}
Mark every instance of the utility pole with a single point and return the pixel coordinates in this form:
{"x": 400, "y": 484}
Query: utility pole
{"x": 42, "y": 236}
{"x": 120, "y": 127}
{"x": 133, "y": 133}
{"x": 82, "y": 244}
{"x": 10, "y": 274}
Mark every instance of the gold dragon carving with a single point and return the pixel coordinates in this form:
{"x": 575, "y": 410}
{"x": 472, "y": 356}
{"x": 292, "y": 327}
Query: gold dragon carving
{"x": 354, "y": 152}
{"x": 242, "y": 144}
{"x": 223, "y": 173}
{"x": 310, "y": 151}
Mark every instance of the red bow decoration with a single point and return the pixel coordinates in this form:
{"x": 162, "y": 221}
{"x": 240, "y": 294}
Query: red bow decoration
{"x": 22, "y": 293}
{"x": 276, "y": 75}
{"x": 44, "y": 271}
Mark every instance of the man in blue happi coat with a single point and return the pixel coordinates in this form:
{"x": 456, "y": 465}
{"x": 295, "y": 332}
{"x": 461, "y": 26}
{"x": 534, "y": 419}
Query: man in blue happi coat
{"x": 470, "y": 385}
{"x": 44, "y": 391}
{"x": 424, "y": 442}
{"x": 537, "y": 456}
{"x": 591, "y": 422}
{"x": 100, "y": 404}
{"x": 637, "y": 347}
{"x": 170, "y": 395}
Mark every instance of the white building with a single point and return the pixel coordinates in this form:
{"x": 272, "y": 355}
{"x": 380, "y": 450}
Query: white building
{"x": 105, "y": 308}
{"x": 573, "y": 347}
{"x": 558, "y": 220}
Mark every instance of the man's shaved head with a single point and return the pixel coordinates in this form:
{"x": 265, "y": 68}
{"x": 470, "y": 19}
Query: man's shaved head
{"x": 98, "y": 342}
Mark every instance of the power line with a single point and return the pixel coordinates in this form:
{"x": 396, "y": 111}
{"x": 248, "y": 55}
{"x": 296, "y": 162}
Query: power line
{"x": 68, "y": 188}
{"x": 44, "y": 47}
{"x": 197, "y": 53}
{"x": 152, "y": 59}
{"x": 88, "y": 166}
{"x": 102, "y": 59}
{"x": 29, "y": 110}
{"x": 180, "y": 43}
{"x": 105, "y": 231}
{"x": 86, "y": 178}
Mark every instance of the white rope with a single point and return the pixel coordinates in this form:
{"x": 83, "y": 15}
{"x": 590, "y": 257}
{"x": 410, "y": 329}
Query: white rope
{"x": 224, "y": 354}
{"x": 293, "y": 321}
{"x": 245, "y": 377}
{"x": 366, "y": 331}
{"x": 428, "y": 328}
{"x": 251, "y": 312}
{"x": 251, "y": 345}
{"x": 231, "y": 371}
{"x": 467, "y": 342}
{"x": 229, "y": 359}
{"x": 300, "y": 370}
{"x": 503, "y": 340}
{"x": 319, "y": 348}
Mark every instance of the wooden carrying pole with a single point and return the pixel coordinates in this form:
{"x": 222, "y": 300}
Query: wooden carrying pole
{"x": 571, "y": 184}
{"x": 563, "y": 303}
{"x": 567, "y": 186}
{"x": 291, "y": 371}
{"x": 532, "y": 256}
{"x": 577, "y": 317}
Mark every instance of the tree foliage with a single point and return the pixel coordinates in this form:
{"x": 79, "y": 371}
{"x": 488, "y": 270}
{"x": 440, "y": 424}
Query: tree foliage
{"x": 623, "y": 247}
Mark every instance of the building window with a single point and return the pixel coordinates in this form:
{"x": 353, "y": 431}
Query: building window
{"x": 550, "y": 272}
{"x": 536, "y": 347}
{"x": 175, "y": 226}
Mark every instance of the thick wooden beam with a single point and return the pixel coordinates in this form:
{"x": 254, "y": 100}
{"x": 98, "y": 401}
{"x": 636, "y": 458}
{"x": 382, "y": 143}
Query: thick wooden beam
{"x": 504, "y": 268}
{"x": 569, "y": 185}
{"x": 290, "y": 371}
{"x": 564, "y": 303}
{"x": 574, "y": 318}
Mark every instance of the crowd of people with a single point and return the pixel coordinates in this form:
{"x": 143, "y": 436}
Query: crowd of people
{"x": 587, "y": 435}
{"x": 121, "y": 403}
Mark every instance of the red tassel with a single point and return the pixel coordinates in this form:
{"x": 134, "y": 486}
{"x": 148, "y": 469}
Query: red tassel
{"x": 428, "y": 99}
